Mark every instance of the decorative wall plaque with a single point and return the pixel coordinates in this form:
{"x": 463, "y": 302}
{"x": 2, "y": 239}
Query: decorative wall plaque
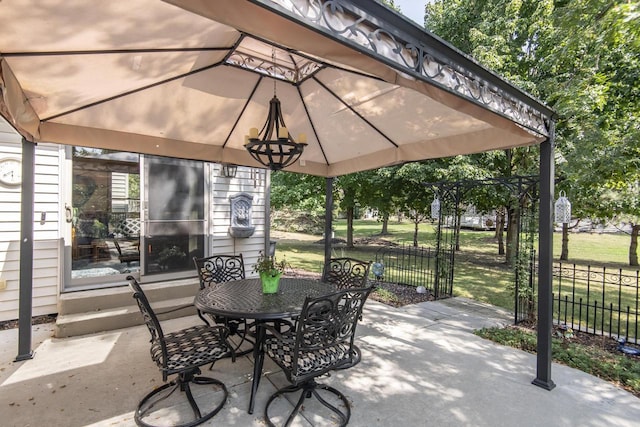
{"x": 241, "y": 213}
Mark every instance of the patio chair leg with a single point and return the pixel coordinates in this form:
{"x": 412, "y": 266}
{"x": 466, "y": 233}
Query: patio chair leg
{"x": 344, "y": 417}
{"x": 309, "y": 389}
{"x": 182, "y": 382}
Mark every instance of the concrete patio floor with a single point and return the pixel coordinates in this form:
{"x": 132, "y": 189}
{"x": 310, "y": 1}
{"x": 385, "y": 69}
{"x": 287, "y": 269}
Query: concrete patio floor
{"x": 421, "y": 366}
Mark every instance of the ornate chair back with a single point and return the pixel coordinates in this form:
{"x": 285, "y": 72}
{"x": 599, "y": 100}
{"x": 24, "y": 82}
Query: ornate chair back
{"x": 219, "y": 268}
{"x": 158, "y": 343}
{"x": 326, "y": 328}
{"x": 347, "y": 273}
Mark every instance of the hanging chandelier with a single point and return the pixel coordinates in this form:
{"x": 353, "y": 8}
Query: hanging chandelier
{"x": 273, "y": 146}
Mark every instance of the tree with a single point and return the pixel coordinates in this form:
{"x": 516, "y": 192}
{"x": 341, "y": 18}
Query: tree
{"x": 297, "y": 200}
{"x": 380, "y": 191}
{"x": 583, "y": 58}
{"x": 349, "y": 187}
{"x": 415, "y": 199}
{"x": 593, "y": 78}
{"x": 297, "y": 191}
{"x": 501, "y": 34}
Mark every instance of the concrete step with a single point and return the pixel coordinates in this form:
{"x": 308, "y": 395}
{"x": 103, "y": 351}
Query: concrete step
{"x": 71, "y": 325}
{"x": 102, "y": 299}
{"x": 102, "y": 310}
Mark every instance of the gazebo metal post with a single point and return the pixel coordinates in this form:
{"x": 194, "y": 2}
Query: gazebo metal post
{"x": 328, "y": 218}
{"x": 26, "y": 251}
{"x": 545, "y": 272}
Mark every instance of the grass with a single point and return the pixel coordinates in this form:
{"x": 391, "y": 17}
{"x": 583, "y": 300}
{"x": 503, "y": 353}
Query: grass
{"x": 480, "y": 273}
{"x": 584, "y": 248}
{"x": 611, "y": 250}
{"x": 616, "y": 368}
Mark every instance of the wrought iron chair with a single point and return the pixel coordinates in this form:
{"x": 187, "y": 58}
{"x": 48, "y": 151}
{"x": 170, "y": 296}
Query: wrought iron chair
{"x": 181, "y": 353}
{"x": 218, "y": 269}
{"x": 321, "y": 342}
{"x": 347, "y": 273}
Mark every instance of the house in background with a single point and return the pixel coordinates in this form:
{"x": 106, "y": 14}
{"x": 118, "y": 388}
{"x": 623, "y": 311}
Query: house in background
{"x": 101, "y": 215}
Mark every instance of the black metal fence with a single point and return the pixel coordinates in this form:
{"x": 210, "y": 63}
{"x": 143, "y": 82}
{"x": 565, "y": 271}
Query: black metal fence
{"x": 416, "y": 266}
{"x": 597, "y": 300}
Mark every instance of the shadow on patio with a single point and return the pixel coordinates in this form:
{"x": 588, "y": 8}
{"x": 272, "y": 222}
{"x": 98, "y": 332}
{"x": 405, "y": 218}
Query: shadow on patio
{"x": 421, "y": 366}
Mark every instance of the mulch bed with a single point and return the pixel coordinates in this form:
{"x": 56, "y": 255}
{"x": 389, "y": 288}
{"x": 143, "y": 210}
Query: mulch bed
{"x": 394, "y": 294}
{"x": 606, "y": 343}
{"x": 35, "y": 320}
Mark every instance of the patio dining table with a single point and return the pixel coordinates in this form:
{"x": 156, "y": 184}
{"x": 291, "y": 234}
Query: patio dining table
{"x": 244, "y": 299}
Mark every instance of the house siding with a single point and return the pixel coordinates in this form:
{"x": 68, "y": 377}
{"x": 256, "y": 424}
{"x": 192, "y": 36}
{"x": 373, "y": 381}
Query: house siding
{"x": 247, "y": 180}
{"x": 46, "y": 245}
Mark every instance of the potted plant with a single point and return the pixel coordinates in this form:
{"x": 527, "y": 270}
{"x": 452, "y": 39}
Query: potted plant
{"x": 171, "y": 257}
{"x": 270, "y": 271}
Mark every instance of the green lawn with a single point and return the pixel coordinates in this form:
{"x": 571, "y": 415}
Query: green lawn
{"x": 601, "y": 249}
{"x": 480, "y": 273}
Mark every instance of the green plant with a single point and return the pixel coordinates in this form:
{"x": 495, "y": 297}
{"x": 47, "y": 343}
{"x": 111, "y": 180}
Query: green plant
{"x": 269, "y": 265}
{"x": 386, "y": 295}
{"x": 99, "y": 229}
{"x": 592, "y": 359}
{"x": 171, "y": 256}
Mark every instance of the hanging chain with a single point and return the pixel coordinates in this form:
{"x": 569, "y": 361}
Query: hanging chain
{"x": 273, "y": 61}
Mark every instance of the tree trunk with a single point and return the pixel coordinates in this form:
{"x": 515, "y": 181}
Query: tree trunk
{"x": 349, "y": 227}
{"x": 415, "y": 233}
{"x": 500, "y": 232}
{"x": 385, "y": 224}
{"x": 564, "y": 254}
{"x": 633, "y": 247}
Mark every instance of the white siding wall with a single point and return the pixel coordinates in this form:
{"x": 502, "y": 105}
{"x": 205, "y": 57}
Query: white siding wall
{"x": 46, "y": 264}
{"x": 119, "y": 192}
{"x": 247, "y": 180}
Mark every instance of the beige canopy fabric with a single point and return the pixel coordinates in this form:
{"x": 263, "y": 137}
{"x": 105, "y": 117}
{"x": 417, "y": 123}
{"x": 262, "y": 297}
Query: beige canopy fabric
{"x": 189, "y": 79}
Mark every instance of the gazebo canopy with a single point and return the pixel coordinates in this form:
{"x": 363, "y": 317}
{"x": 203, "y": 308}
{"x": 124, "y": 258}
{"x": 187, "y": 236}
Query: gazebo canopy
{"x": 189, "y": 79}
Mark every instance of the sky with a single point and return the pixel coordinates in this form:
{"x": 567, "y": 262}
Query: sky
{"x": 413, "y": 9}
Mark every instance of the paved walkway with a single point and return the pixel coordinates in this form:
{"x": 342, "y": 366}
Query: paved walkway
{"x": 421, "y": 366}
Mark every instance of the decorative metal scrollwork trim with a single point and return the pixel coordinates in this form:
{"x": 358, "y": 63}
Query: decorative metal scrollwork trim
{"x": 344, "y": 20}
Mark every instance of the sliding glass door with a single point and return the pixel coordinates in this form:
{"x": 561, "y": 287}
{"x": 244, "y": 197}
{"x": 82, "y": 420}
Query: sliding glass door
{"x": 173, "y": 215}
{"x": 104, "y": 217}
